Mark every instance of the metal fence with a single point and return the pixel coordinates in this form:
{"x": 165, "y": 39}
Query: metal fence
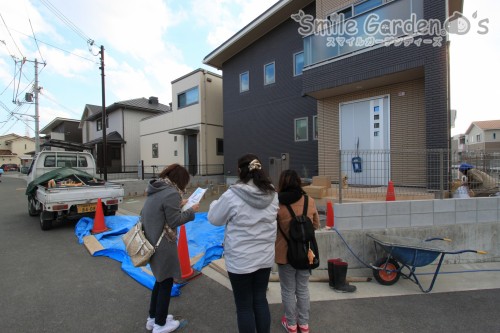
{"x": 415, "y": 174}
{"x": 142, "y": 171}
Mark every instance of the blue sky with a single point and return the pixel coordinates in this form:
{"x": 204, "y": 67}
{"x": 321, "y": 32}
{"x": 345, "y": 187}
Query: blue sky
{"x": 150, "y": 43}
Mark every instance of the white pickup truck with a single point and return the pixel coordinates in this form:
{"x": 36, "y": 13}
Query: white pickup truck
{"x": 63, "y": 184}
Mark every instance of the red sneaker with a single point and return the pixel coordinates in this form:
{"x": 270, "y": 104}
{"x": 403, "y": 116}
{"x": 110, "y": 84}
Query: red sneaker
{"x": 288, "y": 328}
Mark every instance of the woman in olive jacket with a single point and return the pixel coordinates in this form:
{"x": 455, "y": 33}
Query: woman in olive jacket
{"x": 294, "y": 282}
{"x": 163, "y": 205}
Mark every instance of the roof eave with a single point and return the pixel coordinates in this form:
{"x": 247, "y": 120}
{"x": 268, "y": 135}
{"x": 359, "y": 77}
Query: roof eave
{"x": 264, "y": 23}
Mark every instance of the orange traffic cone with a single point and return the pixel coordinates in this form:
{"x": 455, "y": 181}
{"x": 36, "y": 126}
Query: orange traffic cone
{"x": 99, "y": 224}
{"x": 391, "y": 196}
{"x": 183, "y": 250}
{"x": 329, "y": 215}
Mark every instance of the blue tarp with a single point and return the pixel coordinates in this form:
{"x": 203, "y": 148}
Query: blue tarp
{"x": 203, "y": 238}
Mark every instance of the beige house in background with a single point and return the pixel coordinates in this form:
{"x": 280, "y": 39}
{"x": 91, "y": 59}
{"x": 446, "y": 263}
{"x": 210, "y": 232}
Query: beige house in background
{"x": 483, "y": 135}
{"x": 16, "y": 149}
{"x": 192, "y": 133}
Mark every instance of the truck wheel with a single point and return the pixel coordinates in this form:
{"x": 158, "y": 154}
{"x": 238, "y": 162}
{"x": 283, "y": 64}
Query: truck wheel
{"x": 32, "y": 208}
{"x": 46, "y": 219}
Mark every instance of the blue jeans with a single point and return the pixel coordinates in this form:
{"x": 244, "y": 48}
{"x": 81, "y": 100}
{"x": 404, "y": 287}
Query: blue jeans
{"x": 252, "y": 309}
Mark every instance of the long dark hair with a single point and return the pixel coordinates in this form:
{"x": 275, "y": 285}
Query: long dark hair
{"x": 290, "y": 181}
{"x": 177, "y": 174}
{"x": 258, "y": 175}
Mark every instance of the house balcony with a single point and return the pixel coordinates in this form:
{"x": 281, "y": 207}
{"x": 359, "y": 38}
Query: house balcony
{"x": 379, "y": 26}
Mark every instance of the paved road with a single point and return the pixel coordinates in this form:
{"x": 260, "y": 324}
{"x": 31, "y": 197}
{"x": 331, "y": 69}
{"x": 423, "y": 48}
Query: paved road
{"x": 49, "y": 283}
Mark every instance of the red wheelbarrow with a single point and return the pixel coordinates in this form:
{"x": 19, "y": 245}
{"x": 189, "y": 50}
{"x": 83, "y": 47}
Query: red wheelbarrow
{"x": 409, "y": 253}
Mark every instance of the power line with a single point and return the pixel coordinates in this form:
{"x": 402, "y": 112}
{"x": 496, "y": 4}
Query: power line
{"x": 56, "y": 47}
{"x": 63, "y": 18}
{"x": 34, "y": 37}
{"x": 59, "y": 104}
{"x": 6, "y": 27}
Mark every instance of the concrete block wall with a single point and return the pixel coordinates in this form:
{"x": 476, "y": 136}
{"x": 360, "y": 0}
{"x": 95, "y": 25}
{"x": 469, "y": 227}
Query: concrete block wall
{"x": 471, "y": 224}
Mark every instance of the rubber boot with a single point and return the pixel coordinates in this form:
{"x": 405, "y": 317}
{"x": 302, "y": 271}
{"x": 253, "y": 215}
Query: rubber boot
{"x": 331, "y": 275}
{"x": 340, "y": 273}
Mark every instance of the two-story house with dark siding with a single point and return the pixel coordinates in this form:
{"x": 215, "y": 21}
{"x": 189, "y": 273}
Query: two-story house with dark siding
{"x": 379, "y": 82}
{"x": 264, "y": 109}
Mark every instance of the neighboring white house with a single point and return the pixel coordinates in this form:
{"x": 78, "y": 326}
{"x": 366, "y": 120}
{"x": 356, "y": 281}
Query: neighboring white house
{"x": 122, "y": 130}
{"x": 192, "y": 134}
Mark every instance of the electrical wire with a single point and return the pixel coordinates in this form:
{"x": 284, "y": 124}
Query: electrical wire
{"x": 56, "y": 47}
{"x": 59, "y": 104}
{"x": 7, "y": 87}
{"x": 36, "y": 42}
{"x": 64, "y": 19}
{"x": 6, "y": 27}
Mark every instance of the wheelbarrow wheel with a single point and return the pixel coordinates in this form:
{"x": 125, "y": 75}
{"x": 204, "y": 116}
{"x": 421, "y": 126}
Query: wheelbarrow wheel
{"x": 386, "y": 274}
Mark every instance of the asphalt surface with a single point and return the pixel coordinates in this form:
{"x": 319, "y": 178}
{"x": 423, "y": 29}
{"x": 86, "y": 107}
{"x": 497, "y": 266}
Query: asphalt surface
{"x": 50, "y": 283}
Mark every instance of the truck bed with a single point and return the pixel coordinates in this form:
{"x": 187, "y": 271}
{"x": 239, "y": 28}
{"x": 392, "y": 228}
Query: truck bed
{"x": 79, "y": 194}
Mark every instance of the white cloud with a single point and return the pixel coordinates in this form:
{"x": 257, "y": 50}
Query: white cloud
{"x": 474, "y": 67}
{"x": 223, "y": 18}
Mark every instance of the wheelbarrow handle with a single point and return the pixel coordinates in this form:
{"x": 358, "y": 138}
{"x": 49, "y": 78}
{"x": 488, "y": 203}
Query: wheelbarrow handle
{"x": 464, "y": 251}
{"x": 438, "y": 238}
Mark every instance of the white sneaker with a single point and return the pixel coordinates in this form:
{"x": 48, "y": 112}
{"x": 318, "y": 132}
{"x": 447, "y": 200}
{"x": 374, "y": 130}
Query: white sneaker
{"x": 150, "y": 323}
{"x": 170, "y": 326}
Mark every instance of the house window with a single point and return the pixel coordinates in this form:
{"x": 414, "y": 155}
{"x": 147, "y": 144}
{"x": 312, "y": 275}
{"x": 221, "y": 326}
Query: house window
{"x": 188, "y": 97}
{"x": 220, "y": 147}
{"x": 340, "y": 15}
{"x": 244, "y": 81}
{"x": 99, "y": 123}
{"x": 366, "y": 6}
{"x": 301, "y": 129}
{"x": 175, "y": 138}
{"x": 494, "y": 136}
{"x": 355, "y": 9}
{"x": 298, "y": 63}
{"x": 175, "y": 152}
{"x": 315, "y": 127}
{"x": 478, "y": 138}
{"x": 269, "y": 73}
{"x": 155, "y": 150}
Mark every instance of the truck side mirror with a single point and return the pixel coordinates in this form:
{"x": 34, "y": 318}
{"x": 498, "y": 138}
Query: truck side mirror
{"x": 24, "y": 170}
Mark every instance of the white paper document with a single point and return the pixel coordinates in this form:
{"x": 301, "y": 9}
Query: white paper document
{"x": 194, "y": 198}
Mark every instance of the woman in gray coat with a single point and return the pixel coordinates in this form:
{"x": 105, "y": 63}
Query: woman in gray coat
{"x": 163, "y": 205}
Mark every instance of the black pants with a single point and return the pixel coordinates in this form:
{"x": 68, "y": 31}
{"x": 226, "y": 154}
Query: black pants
{"x": 160, "y": 301}
{"x": 252, "y": 309}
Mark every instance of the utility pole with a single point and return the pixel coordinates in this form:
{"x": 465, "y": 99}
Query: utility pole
{"x": 104, "y": 122}
{"x": 37, "y": 117}
{"x": 29, "y": 99}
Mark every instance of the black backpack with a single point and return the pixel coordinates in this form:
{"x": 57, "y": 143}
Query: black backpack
{"x": 300, "y": 239}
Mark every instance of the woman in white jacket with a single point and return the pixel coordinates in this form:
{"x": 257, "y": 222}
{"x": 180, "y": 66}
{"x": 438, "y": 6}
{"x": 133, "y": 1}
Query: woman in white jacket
{"x": 249, "y": 209}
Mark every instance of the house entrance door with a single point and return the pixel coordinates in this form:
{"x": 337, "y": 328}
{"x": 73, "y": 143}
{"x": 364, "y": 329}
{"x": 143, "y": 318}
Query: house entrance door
{"x": 365, "y": 131}
{"x": 191, "y": 150}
